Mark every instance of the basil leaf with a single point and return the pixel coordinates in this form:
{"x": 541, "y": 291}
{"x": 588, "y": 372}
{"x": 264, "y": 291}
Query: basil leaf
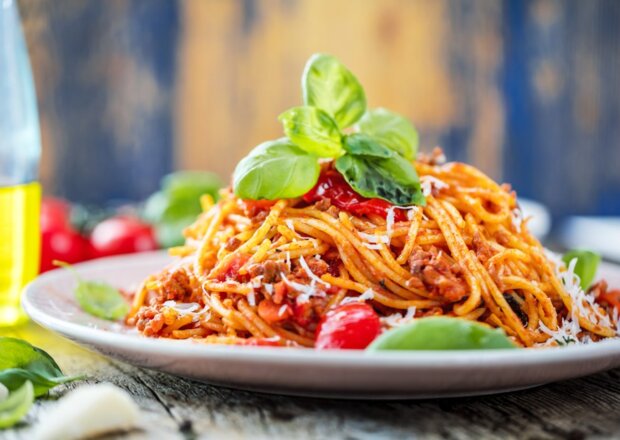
{"x": 275, "y": 170}
{"x": 327, "y": 84}
{"x": 391, "y": 178}
{"x": 21, "y": 362}
{"x": 391, "y": 130}
{"x": 312, "y": 130}
{"x": 442, "y": 333}
{"x": 101, "y": 300}
{"x": 16, "y": 406}
{"x": 359, "y": 144}
{"x": 586, "y": 266}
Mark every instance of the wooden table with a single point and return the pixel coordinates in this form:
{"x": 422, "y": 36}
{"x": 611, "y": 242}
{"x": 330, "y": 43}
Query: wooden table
{"x": 175, "y": 408}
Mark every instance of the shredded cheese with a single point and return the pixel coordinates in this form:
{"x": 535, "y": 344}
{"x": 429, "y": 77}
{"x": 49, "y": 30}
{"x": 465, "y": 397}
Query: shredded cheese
{"x": 367, "y": 295}
{"x": 430, "y": 183}
{"x": 398, "y": 319}
{"x": 282, "y": 310}
{"x": 311, "y": 274}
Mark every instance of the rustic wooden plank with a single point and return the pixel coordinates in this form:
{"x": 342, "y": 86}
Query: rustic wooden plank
{"x": 174, "y": 407}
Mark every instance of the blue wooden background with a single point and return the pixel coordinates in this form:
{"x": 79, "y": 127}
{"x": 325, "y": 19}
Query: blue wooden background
{"x": 533, "y": 97}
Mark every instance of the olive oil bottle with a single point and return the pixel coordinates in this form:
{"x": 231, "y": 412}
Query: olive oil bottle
{"x": 20, "y": 149}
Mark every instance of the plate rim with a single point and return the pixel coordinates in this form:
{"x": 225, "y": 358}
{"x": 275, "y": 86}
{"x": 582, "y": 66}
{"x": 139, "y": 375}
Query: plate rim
{"x": 444, "y": 359}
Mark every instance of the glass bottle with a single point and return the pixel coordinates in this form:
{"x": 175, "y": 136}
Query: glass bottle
{"x": 20, "y": 150}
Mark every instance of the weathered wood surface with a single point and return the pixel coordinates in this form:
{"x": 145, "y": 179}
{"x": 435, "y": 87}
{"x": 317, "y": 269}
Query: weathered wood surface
{"x": 175, "y": 408}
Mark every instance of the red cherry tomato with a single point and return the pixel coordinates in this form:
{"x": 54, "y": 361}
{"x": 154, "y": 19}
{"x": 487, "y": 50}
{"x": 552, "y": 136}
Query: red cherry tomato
{"x": 64, "y": 244}
{"x": 121, "y": 235}
{"x": 332, "y": 185}
{"x": 352, "y": 325}
{"x": 54, "y": 214}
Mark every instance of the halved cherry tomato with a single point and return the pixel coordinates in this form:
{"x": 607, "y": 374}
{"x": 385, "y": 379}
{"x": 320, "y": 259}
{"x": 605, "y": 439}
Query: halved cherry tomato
{"x": 121, "y": 235}
{"x": 352, "y": 326}
{"x": 54, "y": 214}
{"x": 331, "y": 185}
{"x": 59, "y": 241}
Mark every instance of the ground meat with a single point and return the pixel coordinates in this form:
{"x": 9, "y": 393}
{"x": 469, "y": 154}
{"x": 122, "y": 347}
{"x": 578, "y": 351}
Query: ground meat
{"x": 232, "y": 244}
{"x": 317, "y": 267}
{"x": 149, "y": 321}
{"x": 270, "y": 270}
{"x": 323, "y": 204}
{"x": 482, "y": 248}
{"x": 175, "y": 286}
{"x": 436, "y": 157}
{"x": 441, "y": 276}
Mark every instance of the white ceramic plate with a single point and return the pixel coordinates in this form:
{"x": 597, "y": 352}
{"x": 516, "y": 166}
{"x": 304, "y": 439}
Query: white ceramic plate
{"x": 349, "y": 374}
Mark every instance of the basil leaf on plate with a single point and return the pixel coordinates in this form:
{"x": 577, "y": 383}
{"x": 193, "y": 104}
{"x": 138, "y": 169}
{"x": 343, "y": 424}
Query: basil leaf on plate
{"x": 97, "y": 298}
{"x": 391, "y": 178}
{"x": 586, "y": 266}
{"x": 21, "y": 362}
{"x": 312, "y": 130}
{"x": 101, "y": 300}
{"x": 16, "y": 406}
{"x": 442, "y": 333}
{"x": 327, "y": 84}
{"x": 391, "y": 130}
{"x": 275, "y": 170}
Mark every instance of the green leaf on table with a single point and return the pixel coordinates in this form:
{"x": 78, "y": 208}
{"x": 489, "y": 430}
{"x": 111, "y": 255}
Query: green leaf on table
{"x": 21, "y": 362}
{"x": 97, "y": 298}
{"x": 312, "y": 130}
{"x": 585, "y": 267}
{"x": 377, "y": 172}
{"x": 16, "y": 406}
{"x": 327, "y": 84}
{"x": 391, "y": 130}
{"x": 275, "y": 170}
{"x": 442, "y": 333}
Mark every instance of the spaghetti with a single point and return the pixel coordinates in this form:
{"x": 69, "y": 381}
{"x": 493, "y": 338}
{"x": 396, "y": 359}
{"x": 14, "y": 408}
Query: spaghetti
{"x": 266, "y": 272}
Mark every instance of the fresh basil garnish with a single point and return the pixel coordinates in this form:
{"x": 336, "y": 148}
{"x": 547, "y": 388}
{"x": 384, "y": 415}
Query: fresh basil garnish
{"x": 275, "y": 170}
{"x": 586, "y": 266}
{"x": 16, "y": 405}
{"x": 375, "y": 171}
{"x": 327, "y": 84}
{"x": 391, "y": 130}
{"x": 21, "y": 362}
{"x": 312, "y": 130}
{"x": 442, "y": 333}
{"x": 97, "y": 298}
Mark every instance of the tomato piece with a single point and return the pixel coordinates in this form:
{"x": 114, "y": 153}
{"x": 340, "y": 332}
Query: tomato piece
{"x": 64, "y": 244}
{"x": 122, "y": 235}
{"x": 272, "y": 312}
{"x": 348, "y": 326}
{"x": 55, "y": 214}
{"x": 333, "y": 186}
{"x": 232, "y": 271}
{"x": 611, "y": 297}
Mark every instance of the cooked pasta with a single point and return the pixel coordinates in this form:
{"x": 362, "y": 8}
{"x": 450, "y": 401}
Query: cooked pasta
{"x": 266, "y": 272}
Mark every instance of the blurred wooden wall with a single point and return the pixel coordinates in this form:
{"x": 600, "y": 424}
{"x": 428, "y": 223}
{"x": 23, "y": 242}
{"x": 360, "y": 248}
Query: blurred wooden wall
{"x": 527, "y": 90}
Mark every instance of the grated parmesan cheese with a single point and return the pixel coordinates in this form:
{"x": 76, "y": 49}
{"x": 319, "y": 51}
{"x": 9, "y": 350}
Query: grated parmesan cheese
{"x": 269, "y": 288}
{"x": 282, "y": 310}
{"x": 430, "y": 183}
{"x": 398, "y": 319}
{"x": 367, "y": 295}
{"x": 584, "y": 304}
{"x": 193, "y": 309}
{"x": 290, "y": 224}
{"x": 251, "y": 298}
{"x": 307, "y": 290}
{"x": 311, "y": 274}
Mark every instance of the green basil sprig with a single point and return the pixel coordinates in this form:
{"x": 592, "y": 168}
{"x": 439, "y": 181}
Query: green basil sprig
{"x": 374, "y": 158}
{"x": 391, "y": 130}
{"x": 312, "y": 130}
{"x": 442, "y": 333}
{"x": 21, "y": 362}
{"x": 27, "y": 372}
{"x": 16, "y": 406}
{"x": 376, "y": 171}
{"x": 275, "y": 170}
{"x": 586, "y": 266}
{"x": 327, "y": 84}
{"x": 97, "y": 298}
